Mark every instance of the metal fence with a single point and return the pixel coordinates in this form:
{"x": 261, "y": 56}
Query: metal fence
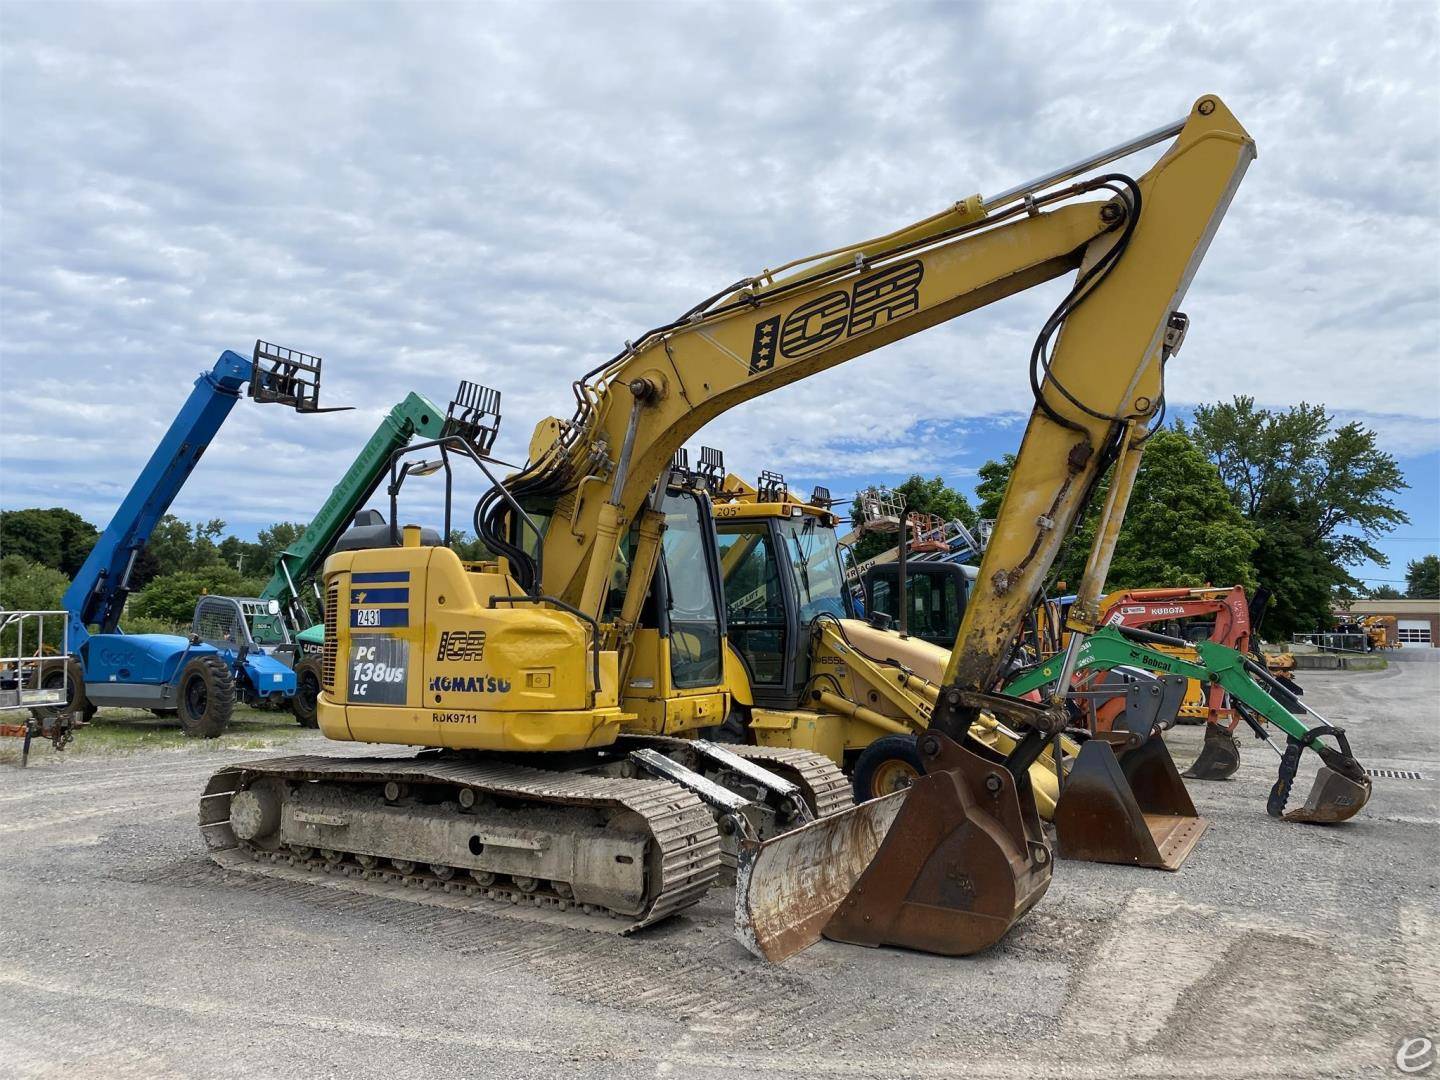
{"x": 34, "y": 667}
{"x": 1334, "y": 642}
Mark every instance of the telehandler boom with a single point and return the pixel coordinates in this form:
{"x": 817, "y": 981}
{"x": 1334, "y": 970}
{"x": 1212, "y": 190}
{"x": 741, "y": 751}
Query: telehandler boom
{"x": 526, "y": 675}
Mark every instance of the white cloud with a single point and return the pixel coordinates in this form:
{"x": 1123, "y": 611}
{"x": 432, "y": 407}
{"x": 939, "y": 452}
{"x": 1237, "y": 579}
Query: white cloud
{"x": 505, "y": 193}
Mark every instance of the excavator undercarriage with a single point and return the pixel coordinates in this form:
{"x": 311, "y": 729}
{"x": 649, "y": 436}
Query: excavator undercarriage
{"x": 585, "y": 833}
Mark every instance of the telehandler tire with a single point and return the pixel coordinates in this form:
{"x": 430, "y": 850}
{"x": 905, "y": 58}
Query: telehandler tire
{"x": 78, "y": 702}
{"x": 305, "y": 703}
{"x": 205, "y": 698}
{"x": 887, "y": 765}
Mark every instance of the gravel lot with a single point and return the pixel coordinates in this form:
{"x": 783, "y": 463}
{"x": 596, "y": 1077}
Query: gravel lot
{"x": 1279, "y": 950}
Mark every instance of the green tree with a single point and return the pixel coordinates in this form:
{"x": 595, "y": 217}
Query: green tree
{"x": 1422, "y": 578}
{"x": 470, "y": 548}
{"x": 1320, "y": 497}
{"x": 990, "y": 491}
{"x": 932, "y": 496}
{"x": 57, "y": 538}
{"x": 1180, "y": 526}
{"x": 1384, "y": 592}
{"x": 172, "y": 596}
{"x": 28, "y": 585}
{"x": 171, "y": 546}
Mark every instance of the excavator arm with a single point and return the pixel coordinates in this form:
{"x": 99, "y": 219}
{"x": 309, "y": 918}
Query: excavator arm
{"x": 960, "y": 856}
{"x": 1342, "y": 787}
{"x": 1136, "y": 248}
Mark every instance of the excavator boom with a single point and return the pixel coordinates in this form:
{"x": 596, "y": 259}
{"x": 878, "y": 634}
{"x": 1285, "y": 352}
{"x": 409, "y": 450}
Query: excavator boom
{"x": 1093, "y": 393}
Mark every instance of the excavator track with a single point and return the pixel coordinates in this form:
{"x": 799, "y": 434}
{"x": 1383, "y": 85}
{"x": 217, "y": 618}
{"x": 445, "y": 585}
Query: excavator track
{"x": 826, "y": 788}
{"x": 318, "y": 799}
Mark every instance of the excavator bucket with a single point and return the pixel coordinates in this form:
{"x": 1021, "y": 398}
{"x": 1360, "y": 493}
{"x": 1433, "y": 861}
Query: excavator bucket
{"x": 946, "y": 866}
{"x": 1130, "y": 809}
{"x": 1219, "y": 758}
{"x": 1341, "y": 788}
{"x": 786, "y": 888}
{"x": 1334, "y": 797}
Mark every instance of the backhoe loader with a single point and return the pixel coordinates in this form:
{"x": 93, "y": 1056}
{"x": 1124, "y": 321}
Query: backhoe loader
{"x": 1229, "y": 624}
{"x": 802, "y": 672}
{"x": 558, "y": 688}
{"x": 1094, "y": 797}
{"x": 802, "y": 675}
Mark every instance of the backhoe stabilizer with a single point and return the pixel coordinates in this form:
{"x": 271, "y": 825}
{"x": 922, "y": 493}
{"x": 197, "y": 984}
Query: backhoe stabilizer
{"x": 947, "y": 866}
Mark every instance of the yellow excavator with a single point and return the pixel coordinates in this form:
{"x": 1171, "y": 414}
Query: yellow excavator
{"x": 558, "y": 692}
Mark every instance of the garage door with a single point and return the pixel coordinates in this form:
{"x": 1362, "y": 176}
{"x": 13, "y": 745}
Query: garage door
{"x": 1414, "y": 631}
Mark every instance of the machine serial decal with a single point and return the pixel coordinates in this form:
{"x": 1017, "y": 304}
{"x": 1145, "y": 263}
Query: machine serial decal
{"x": 878, "y": 298}
{"x": 461, "y": 645}
{"x": 469, "y": 684}
{"x": 379, "y": 617}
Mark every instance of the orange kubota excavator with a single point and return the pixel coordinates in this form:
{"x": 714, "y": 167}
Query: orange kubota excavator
{"x": 1230, "y": 616}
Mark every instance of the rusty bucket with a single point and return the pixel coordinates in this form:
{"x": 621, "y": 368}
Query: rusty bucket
{"x": 1124, "y": 802}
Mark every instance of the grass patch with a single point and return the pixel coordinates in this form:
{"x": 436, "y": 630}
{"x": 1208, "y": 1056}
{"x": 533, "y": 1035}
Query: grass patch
{"x": 121, "y": 732}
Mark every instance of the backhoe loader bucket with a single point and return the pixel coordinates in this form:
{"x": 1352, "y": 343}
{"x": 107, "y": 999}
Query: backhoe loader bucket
{"x": 1130, "y": 809}
{"x": 946, "y": 866}
{"x": 1219, "y": 758}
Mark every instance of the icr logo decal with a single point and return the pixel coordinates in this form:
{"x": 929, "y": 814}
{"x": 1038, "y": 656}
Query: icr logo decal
{"x": 461, "y": 646}
{"x": 881, "y": 297}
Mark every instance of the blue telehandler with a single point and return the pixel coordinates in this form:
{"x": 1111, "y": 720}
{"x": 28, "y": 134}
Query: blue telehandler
{"x": 238, "y": 648}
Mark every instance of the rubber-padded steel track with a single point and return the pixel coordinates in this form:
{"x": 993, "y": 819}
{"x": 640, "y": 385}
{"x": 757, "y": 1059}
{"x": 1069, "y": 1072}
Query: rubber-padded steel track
{"x": 682, "y": 829}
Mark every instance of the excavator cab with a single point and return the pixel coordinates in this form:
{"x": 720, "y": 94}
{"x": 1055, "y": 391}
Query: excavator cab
{"x": 935, "y": 593}
{"x": 781, "y": 570}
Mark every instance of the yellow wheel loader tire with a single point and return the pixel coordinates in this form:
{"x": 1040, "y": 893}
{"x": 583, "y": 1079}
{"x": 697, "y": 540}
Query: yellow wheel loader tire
{"x": 205, "y": 698}
{"x": 305, "y": 703}
{"x": 885, "y": 766}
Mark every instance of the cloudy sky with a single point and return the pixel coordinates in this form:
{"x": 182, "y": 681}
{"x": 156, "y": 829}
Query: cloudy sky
{"x": 424, "y": 193}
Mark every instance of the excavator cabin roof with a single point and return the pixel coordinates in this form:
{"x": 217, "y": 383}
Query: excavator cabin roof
{"x": 738, "y": 499}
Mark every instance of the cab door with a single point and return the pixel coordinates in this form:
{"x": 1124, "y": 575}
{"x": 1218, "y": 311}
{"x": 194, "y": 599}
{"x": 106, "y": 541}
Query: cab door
{"x": 760, "y": 607}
